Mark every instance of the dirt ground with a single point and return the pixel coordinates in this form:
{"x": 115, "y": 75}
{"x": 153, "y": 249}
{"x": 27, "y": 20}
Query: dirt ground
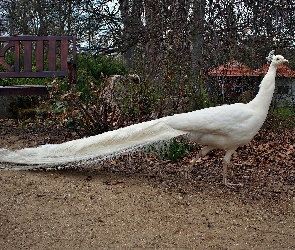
{"x": 141, "y": 201}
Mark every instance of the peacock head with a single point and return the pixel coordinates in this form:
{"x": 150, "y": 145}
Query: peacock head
{"x": 275, "y": 59}
{"x": 278, "y": 59}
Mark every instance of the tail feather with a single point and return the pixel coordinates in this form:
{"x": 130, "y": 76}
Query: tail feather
{"x": 95, "y": 146}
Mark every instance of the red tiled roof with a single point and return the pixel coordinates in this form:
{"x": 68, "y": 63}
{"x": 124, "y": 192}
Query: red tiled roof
{"x": 282, "y": 71}
{"x": 232, "y": 68}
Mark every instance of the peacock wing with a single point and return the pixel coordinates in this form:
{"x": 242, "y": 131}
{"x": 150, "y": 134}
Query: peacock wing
{"x": 214, "y": 120}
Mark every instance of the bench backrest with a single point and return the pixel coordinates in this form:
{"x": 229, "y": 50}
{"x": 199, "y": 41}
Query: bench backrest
{"x": 52, "y": 49}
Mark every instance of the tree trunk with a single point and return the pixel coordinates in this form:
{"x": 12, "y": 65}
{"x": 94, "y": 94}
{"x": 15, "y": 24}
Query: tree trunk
{"x": 197, "y": 36}
{"x": 131, "y": 18}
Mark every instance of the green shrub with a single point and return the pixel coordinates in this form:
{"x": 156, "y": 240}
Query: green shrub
{"x": 177, "y": 149}
{"x": 100, "y": 66}
{"x": 172, "y": 150}
{"x": 280, "y": 118}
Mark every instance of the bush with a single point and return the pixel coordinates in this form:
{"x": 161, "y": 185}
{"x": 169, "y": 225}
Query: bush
{"x": 172, "y": 150}
{"x": 280, "y": 118}
{"x": 96, "y": 104}
{"x": 101, "y": 66}
{"x": 177, "y": 149}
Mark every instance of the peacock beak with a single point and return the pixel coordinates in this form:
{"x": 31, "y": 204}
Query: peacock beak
{"x": 285, "y": 60}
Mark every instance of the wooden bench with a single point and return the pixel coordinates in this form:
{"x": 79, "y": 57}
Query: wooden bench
{"x": 37, "y": 57}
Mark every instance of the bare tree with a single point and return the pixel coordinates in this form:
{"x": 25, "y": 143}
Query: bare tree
{"x": 161, "y": 38}
{"x": 133, "y": 28}
{"x": 197, "y": 34}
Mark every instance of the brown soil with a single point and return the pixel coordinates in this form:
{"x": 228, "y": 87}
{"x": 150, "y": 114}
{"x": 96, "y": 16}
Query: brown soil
{"x": 141, "y": 201}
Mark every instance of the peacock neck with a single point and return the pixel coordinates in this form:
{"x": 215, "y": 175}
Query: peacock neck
{"x": 263, "y": 99}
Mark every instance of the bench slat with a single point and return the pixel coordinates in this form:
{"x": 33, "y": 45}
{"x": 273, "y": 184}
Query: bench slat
{"x": 23, "y": 90}
{"x": 51, "y": 55}
{"x": 40, "y": 57}
{"x": 27, "y": 56}
{"x": 33, "y": 74}
{"x": 16, "y": 56}
{"x": 64, "y": 54}
{"x": 35, "y": 38}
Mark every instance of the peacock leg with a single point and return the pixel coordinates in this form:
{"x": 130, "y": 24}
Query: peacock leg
{"x": 225, "y": 163}
{"x": 202, "y": 153}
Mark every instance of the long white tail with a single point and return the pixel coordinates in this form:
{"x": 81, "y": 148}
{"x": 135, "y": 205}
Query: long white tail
{"x": 108, "y": 143}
